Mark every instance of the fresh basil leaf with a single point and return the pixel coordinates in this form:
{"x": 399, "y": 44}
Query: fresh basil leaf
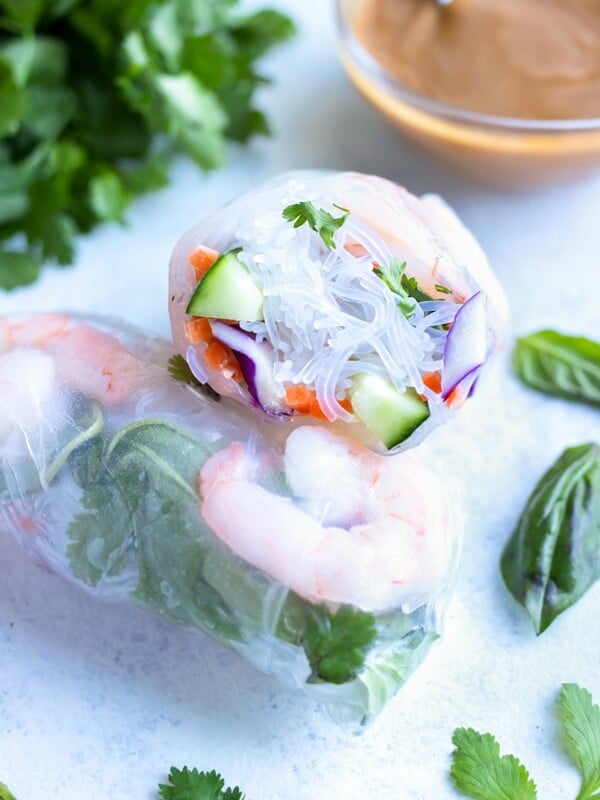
{"x": 553, "y": 556}
{"x": 5, "y": 793}
{"x": 556, "y": 364}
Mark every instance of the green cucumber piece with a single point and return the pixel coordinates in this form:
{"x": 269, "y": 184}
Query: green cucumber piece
{"x": 227, "y": 291}
{"x": 389, "y": 414}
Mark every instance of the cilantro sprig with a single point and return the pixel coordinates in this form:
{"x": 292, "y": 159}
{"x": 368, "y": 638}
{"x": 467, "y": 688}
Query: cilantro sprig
{"x": 479, "y": 771}
{"x": 404, "y": 287}
{"x": 97, "y": 97}
{"x": 190, "y": 784}
{"x": 319, "y": 220}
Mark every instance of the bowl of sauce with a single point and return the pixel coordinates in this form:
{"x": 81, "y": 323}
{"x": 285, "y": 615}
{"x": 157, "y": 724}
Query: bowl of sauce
{"x": 507, "y": 90}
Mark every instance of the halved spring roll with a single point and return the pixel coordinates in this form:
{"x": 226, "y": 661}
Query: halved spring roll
{"x": 338, "y": 298}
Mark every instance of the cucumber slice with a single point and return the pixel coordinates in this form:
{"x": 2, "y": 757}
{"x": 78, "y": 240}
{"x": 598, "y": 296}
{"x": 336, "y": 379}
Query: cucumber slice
{"x": 389, "y": 414}
{"x": 227, "y": 291}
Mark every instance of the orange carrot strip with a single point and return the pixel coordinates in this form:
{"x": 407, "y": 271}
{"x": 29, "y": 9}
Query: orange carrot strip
{"x": 304, "y": 401}
{"x": 356, "y": 249}
{"x": 433, "y": 381}
{"x": 202, "y": 260}
{"x": 221, "y": 358}
{"x": 456, "y": 398}
{"x": 217, "y": 354}
{"x": 299, "y": 398}
{"x": 198, "y": 330}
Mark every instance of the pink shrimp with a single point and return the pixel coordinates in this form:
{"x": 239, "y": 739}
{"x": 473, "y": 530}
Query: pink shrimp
{"x": 363, "y": 529}
{"x": 86, "y": 359}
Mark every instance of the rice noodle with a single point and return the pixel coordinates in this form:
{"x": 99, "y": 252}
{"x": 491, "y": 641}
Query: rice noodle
{"x": 329, "y": 313}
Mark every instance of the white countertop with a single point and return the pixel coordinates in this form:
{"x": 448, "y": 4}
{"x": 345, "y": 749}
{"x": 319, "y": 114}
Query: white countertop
{"x": 97, "y": 702}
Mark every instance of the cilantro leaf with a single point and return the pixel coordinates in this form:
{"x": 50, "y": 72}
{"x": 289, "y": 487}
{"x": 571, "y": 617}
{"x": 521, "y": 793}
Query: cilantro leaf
{"x": 17, "y": 269}
{"x": 96, "y": 99}
{"x": 180, "y": 371}
{"x": 405, "y": 288}
{"x": 479, "y": 771}
{"x": 319, "y": 220}
{"x": 580, "y": 721}
{"x": 190, "y": 784}
{"x": 335, "y": 643}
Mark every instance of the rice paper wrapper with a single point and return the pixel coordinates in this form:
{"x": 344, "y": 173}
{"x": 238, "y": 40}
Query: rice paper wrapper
{"x": 317, "y": 560}
{"x": 351, "y": 291}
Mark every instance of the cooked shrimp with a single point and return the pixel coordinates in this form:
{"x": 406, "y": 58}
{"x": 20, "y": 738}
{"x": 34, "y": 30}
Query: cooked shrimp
{"x": 362, "y": 529}
{"x": 87, "y": 360}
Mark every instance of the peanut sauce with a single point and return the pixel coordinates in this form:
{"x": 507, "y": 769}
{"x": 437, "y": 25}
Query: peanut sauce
{"x": 529, "y": 59}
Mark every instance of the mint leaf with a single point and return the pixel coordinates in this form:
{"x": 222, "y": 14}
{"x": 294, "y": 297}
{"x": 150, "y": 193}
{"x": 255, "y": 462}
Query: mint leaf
{"x": 553, "y": 556}
{"x": 479, "y": 771}
{"x": 190, "y": 784}
{"x": 580, "y": 721}
{"x": 319, "y": 220}
{"x": 560, "y": 365}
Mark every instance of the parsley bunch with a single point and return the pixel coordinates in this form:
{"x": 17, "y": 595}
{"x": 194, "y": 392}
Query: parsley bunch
{"x": 96, "y": 96}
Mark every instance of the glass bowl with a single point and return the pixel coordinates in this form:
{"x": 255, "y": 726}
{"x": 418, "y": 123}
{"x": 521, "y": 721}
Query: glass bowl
{"x": 503, "y": 151}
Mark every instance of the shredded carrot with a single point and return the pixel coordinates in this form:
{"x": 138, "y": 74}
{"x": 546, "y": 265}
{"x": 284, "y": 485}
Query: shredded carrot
{"x": 456, "y": 398}
{"x": 304, "y": 401}
{"x": 356, "y": 249}
{"x": 299, "y": 398}
{"x": 198, "y": 330}
{"x": 433, "y": 381}
{"x": 202, "y": 260}
{"x": 221, "y": 358}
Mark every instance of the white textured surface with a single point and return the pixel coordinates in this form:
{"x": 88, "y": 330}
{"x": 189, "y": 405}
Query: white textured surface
{"x": 97, "y": 702}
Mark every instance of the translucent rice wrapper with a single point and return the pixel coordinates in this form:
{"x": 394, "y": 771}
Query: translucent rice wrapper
{"x": 351, "y": 292}
{"x": 318, "y": 561}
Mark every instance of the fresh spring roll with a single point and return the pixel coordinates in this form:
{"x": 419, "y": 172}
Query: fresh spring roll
{"x": 317, "y": 560}
{"x": 337, "y": 297}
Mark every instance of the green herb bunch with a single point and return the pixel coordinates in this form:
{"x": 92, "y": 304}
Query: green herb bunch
{"x": 96, "y": 96}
